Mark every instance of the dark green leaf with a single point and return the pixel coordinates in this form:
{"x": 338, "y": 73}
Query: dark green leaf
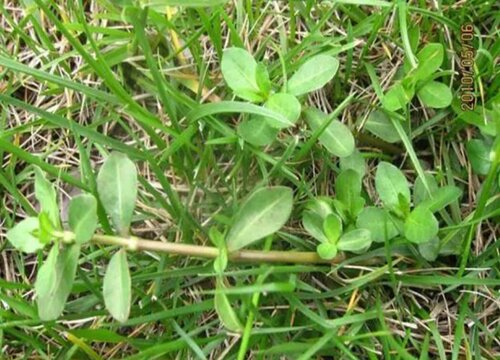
{"x": 479, "y": 156}
{"x": 262, "y": 214}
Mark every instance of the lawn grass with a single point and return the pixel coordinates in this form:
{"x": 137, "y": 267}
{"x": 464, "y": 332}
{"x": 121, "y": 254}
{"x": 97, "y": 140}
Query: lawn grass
{"x": 82, "y": 79}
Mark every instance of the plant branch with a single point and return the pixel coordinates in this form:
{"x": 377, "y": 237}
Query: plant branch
{"x": 294, "y": 257}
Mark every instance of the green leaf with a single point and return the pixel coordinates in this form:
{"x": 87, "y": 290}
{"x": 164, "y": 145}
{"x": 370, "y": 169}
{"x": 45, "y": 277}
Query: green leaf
{"x": 262, "y": 79}
{"x": 430, "y": 59}
{"x": 313, "y": 224}
{"x": 223, "y": 308}
{"x": 420, "y": 226}
{"x": 55, "y": 281}
{"x": 285, "y": 104}
{"x": 46, "y": 196}
{"x": 435, "y": 95}
{"x": 313, "y": 75}
{"x": 336, "y": 137}
{"x": 117, "y": 188}
{"x": 430, "y": 249}
{"x": 117, "y": 287}
{"x": 332, "y": 228}
{"x": 443, "y": 197}
{"x": 22, "y": 238}
{"x": 358, "y": 241}
{"x": 355, "y": 161}
{"x": 161, "y": 5}
{"x": 389, "y": 182}
{"x": 397, "y": 97}
{"x": 420, "y": 192}
{"x": 256, "y": 131}
{"x": 380, "y": 125}
{"x": 239, "y": 69}
{"x": 45, "y": 228}
{"x": 321, "y": 206}
{"x": 82, "y": 217}
{"x": 348, "y": 190}
{"x": 479, "y": 156}
{"x": 262, "y": 214}
{"x": 378, "y": 222}
{"x": 326, "y": 250}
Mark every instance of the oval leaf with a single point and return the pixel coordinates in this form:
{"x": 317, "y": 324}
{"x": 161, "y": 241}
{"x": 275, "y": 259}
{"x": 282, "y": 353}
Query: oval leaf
{"x": 336, "y": 137}
{"x": 285, "y": 104}
{"x": 430, "y": 249}
{"x": 420, "y": 193}
{"x": 117, "y": 187}
{"x": 46, "y": 196}
{"x": 117, "y": 287}
{"x": 327, "y": 250}
{"x": 262, "y": 214}
{"x": 332, "y": 228}
{"x": 389, "y": 182}
{"x": 256, "y": 131}
{"x": 55, "y": 281}
{"x": 313, "y": 75}
{"x": 313, "y": 223}
{"x": 239, "y": 69}
{"x": 355, "y": 162}
{"x": 357, "y": 241}
{"x": 82, "y": 217}
{"x": 479, "y": 156}
{"x": 223, "y": 308}
{"x": 443, "y": 197}
{"x": 380, "y": 125}
{"x": 435, "y": 95}
{"x": 421, "y": 226}
{"x": 378, "y": 222}
{"x": 430, "y": 59}
{"x": 22, "y": 238}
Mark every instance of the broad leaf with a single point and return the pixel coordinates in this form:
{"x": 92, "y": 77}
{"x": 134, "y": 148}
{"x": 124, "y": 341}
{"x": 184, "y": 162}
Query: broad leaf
{"x": 321, "y": 206}
{"x": 443, "y": 197}
{"x": 355, "y": 161}
{"x": 336, "y": 137}
{"x": 421, "y": 225}
{"x": 117, "y": 287}
{"x": 225, "y": 311}
{"x": 332, "y": 228}
{"x": 239, "y": 69}
{"x": 378, "y": 222}
{"x": 435, "y": 95}
{"x": 327, "y": 250}
{"x": 55, "y": 281}
{"x": 389, "y": 182}
{"x": 430, "y": 59}
{"x": 256, "y": 131}
{"x": 348, "y": 190}
{"x": 358, "y": 241}
{"x": 397, "y": 97}
{"x": 21, "y": 235}
{"x": 430, "y": 249}
{"x": 82, "y": 217}
{"x": 420, "y": 193}
{"x": 479, "y": 156}
{"x": 380, "y": 125}
{"x": 117, "y": 187}
{"x": 262, "y": 79}
{"x": 285, "y": 104}
{"x": 46, "y": 196}
{"x": 313, "y": 75}
{"x": 313, "y": 223}
{"x": 262, "y": 214}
